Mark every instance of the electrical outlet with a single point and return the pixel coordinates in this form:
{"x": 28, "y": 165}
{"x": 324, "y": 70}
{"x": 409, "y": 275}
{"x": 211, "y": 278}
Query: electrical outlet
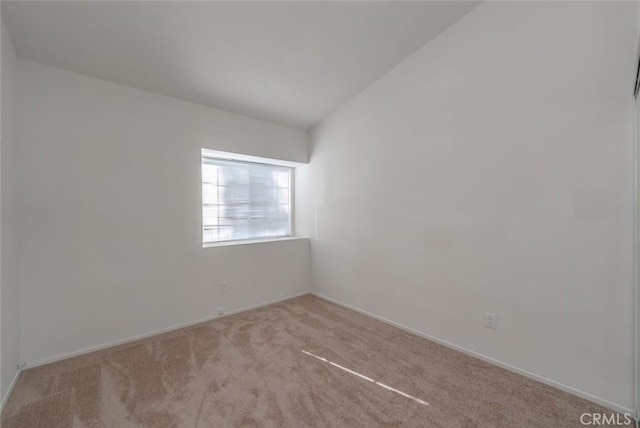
{"x": 220, "y": 311}
{"x": 223, "y": 287}
{"x": 491, "y": 320}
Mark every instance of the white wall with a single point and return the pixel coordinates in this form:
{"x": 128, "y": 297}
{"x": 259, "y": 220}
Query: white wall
{"x": 492, "y": 172}
{"x": 637, "y": 273}
{"x": 9, "y": 291}
{"x": 110, "y": 213}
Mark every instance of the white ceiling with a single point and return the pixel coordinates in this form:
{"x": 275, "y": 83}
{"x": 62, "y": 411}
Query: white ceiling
{"x": 287, "y": 62}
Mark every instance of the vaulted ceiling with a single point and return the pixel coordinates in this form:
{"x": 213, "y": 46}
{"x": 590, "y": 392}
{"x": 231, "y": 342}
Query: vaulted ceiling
{"x": 287, "y": 62}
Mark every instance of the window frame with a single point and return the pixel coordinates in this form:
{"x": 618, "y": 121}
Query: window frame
{"x": 248, "y": 159}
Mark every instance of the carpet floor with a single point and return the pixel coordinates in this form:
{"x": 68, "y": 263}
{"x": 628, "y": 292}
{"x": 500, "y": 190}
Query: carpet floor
{"x": 300, "y": 363}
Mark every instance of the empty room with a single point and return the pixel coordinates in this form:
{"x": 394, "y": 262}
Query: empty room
{"x": 319, "y": 214}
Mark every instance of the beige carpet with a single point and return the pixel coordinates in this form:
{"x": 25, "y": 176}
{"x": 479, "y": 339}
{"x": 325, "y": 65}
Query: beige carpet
{"x": 300, "y": 363}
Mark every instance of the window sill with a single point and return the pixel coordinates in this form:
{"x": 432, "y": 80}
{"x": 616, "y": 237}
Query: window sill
{"x": 251, "y": 241}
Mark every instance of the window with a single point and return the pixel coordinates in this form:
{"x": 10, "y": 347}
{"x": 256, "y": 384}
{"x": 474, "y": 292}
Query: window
{"x": 244, "y": 200}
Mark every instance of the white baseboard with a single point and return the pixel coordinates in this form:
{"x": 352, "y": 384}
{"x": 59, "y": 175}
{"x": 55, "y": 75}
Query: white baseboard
{"x": 558, "y": 385}
{"x": 553, "y": 383}
{"x": 30, "y": 365}
{"x": 5, "y": 399}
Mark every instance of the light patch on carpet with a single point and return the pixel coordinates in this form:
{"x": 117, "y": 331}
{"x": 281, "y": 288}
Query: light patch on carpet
{"x": 360, "y": 375}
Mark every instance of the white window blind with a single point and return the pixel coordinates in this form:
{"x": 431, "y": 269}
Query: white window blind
{"x": 244, "y": 200}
